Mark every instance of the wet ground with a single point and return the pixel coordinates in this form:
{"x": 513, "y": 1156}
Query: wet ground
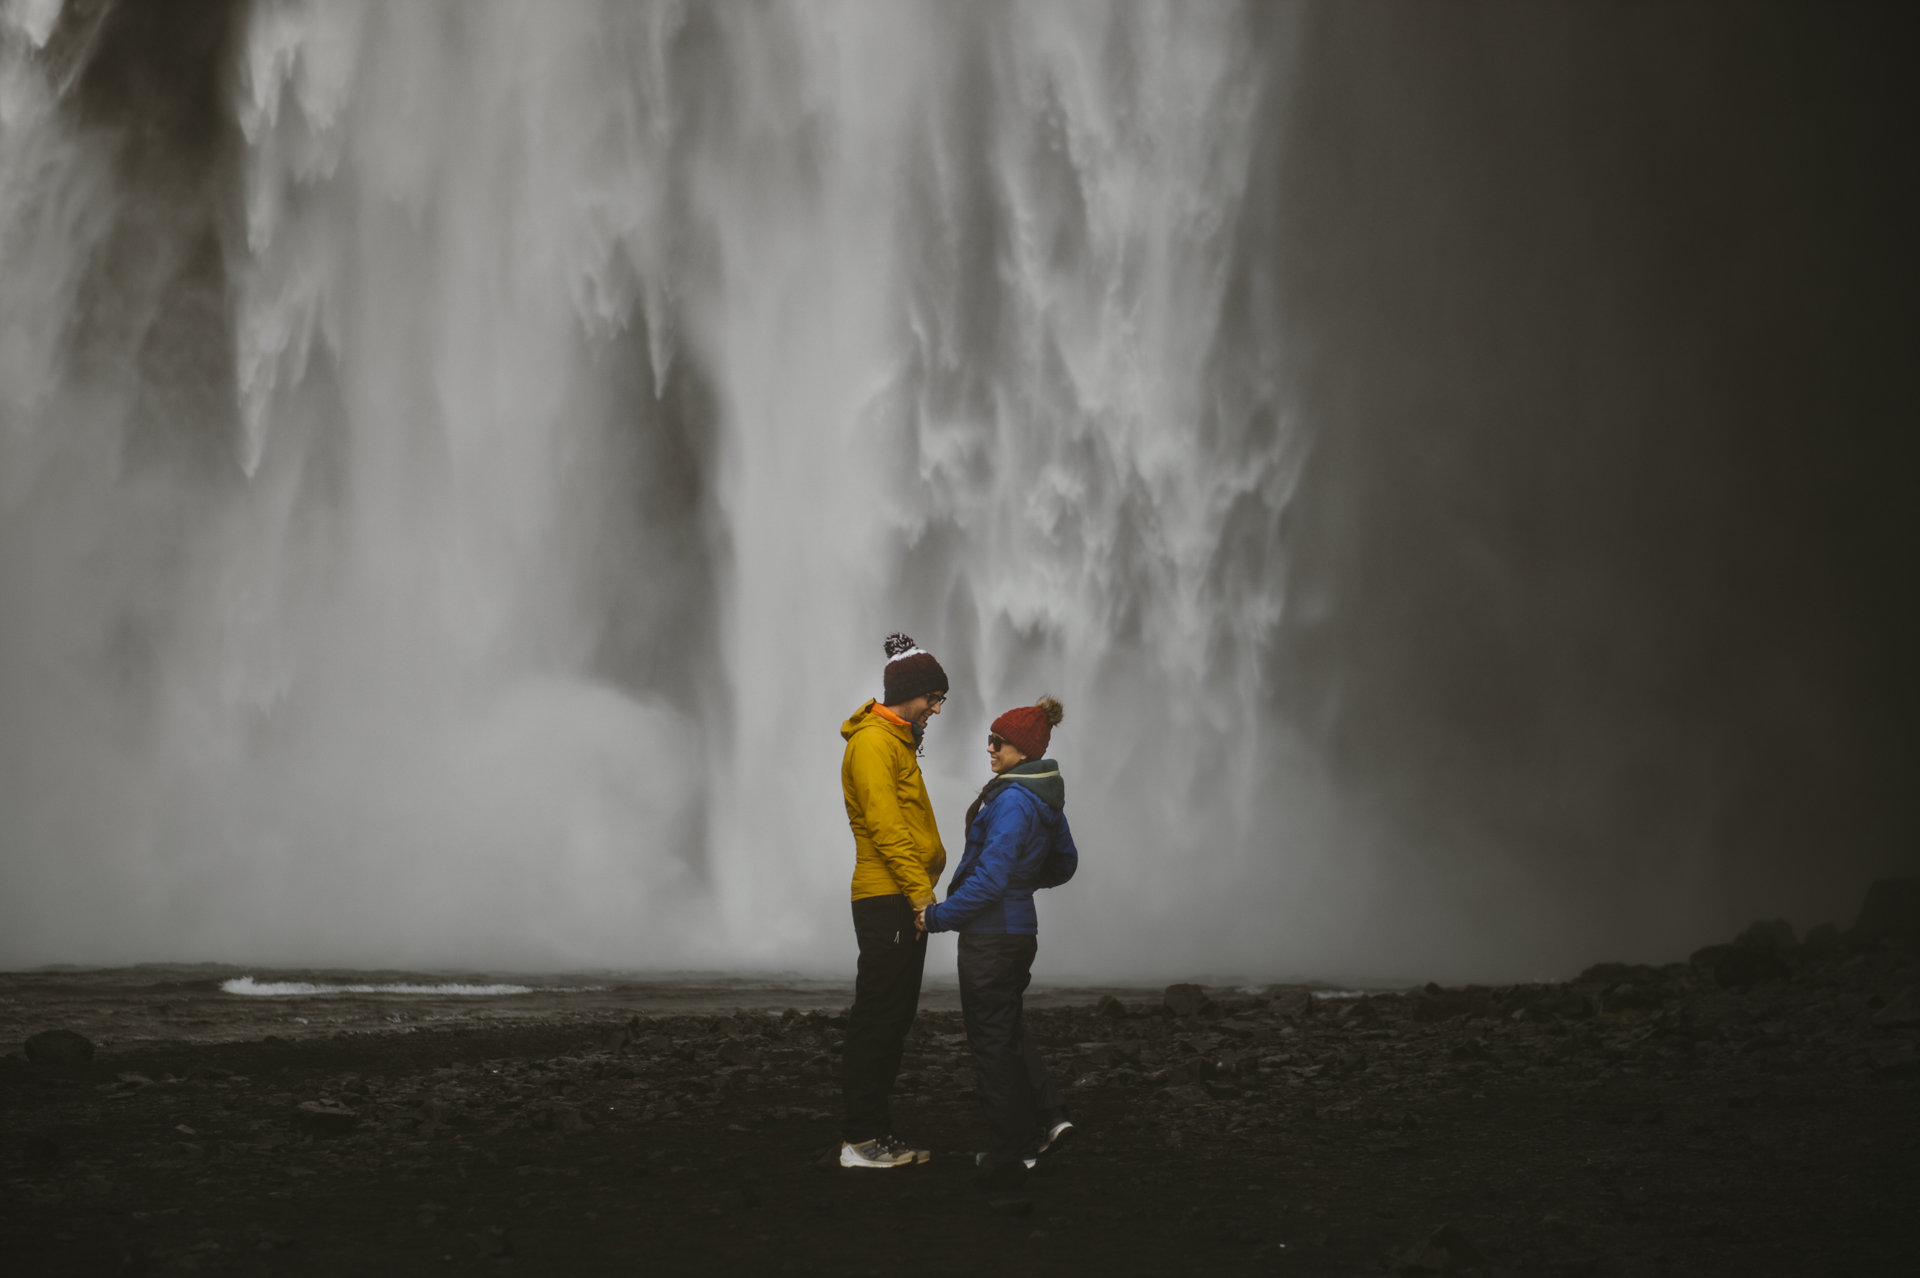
{"x": 1725, "y": 1117}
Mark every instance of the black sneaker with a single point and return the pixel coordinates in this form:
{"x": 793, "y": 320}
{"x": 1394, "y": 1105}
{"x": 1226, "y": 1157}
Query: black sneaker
{"x": 1056, "y": 1136}
{"x": 1000, "y": 1171}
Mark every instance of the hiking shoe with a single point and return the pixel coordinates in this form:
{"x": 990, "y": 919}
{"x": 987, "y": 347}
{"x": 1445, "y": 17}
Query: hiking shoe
{"x": 873, "y": 1153}
{"x": 1057, "y": 1135}
{"x": 980, "y": 1160}
{"x": 1000, "y": 1171}
{"x": 907, "y": 1153}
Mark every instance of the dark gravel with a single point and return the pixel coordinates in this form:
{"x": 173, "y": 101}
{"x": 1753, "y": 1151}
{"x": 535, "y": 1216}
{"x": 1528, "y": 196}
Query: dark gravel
{"x": 1741, "y": 1114}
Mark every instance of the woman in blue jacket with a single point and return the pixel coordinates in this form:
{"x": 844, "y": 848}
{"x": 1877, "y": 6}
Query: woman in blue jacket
{"x": 1017, "y": 841}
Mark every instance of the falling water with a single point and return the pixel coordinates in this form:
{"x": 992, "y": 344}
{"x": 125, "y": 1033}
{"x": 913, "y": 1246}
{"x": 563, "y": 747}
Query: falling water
{"x": 458, "y": 475}
{"x": 459, "y": 461}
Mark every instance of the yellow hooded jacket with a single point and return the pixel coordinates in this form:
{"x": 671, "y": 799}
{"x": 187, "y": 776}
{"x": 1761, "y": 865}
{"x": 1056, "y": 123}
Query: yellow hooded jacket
{"x": 897, "y": 848}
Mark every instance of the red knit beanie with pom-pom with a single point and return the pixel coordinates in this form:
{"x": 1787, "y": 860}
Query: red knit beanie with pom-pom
{"x": 1030, "y": 728}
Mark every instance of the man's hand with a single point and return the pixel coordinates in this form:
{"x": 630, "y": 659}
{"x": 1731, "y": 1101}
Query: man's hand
{"x": 920, "y": 919}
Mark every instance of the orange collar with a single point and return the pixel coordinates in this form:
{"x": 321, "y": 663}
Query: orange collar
{"x": 889, "y": 715}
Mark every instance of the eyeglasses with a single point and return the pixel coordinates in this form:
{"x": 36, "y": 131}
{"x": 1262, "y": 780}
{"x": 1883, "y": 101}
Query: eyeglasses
{"x": 994, "y": 743}
{"x": 935, "y": 700}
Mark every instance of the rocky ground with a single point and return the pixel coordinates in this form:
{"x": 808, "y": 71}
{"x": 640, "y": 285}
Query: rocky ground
{"x": 1753, "y": 1112}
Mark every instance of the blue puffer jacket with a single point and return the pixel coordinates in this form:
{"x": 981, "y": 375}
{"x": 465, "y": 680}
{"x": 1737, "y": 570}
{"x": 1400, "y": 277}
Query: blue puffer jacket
{"x": 1019, "y": 842}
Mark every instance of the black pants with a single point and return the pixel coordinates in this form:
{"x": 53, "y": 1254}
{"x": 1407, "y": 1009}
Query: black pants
{"x": 886, "y": 995}
{"x": 1019, "y": 1098}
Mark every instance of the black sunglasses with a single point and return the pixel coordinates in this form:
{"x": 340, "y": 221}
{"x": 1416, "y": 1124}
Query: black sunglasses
{"x": 994, "y": 743}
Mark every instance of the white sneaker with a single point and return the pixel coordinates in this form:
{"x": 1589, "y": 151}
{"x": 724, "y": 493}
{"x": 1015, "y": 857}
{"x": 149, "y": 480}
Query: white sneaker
{"x": 873, "y": 1153}
{"x": 1056, "y": 1136}
{"x": 909, "y": 1153}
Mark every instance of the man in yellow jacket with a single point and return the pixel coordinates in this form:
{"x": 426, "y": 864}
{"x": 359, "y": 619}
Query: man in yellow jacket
{"x": 897, "y": 860}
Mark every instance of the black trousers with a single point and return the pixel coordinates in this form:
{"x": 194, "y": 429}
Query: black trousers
{"x": 1019, "y": 1098}
{"x": 886, "y": 995}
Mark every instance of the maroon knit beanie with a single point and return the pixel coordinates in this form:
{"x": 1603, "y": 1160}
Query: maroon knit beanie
{"x": 910, "y": 672}
{"x": 1030, "y": 728}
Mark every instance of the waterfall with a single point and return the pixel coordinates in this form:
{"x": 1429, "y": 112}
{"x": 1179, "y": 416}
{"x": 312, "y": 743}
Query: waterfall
{"x": 461, "y": 459}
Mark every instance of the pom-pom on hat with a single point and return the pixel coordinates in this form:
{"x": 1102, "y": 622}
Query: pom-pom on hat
{"x": 910, "y": 672}
{"x": 1030, "y": 728}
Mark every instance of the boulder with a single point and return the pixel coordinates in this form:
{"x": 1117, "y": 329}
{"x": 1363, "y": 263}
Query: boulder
{"x": 1185, "y": 1000}
{"x": 322, "y": 1118}
{"x": 1891, "y": 911}
{"x": 1631, "y": 998}
{"x": 1299, "y": 1003}
{"x": 1822, "y": 940}
{"x": 1191, "y": 1069}
{"x": 1567, "y": 1007}
{"x": 1111, "y": 1008}
{"x": 59, "y": 1047}
{"x": 1738, "y": 966}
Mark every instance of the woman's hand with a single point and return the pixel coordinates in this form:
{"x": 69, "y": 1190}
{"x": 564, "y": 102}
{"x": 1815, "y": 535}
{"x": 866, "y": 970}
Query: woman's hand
{"x": 920, "y": 919}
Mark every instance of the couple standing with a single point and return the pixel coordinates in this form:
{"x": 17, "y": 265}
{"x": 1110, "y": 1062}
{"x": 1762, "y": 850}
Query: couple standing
{"x": 1017, "y": 841}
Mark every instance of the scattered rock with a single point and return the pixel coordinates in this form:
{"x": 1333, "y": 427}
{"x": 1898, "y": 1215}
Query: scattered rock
{"x": 1111, "y": 1008}
{"x": 735, "y": 1053}
{"x": 40, "y": 1149}
{"x": 265, "y": 1240}
{"x": 1186, "y": 1000}
{"x": 1901, "y": 1011}
{"x": 1445, "y": 1250}
{"x": 492, "y": 1243}
{"x": 320, "y": 1118}
{"x": 1436, "y": 1004}
{"x": 1631, "y": 998}
{"x": 1302, "y": 1003}
{"x": 1187, "y": 1094}
{"x": 1736, "y": 967}
{"x": 59, "y": 1047}
{"x": 126, "y": 1084}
